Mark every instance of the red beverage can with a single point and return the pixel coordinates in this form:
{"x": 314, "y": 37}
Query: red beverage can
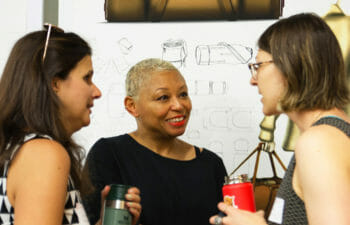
{"x": 238, "y": 192}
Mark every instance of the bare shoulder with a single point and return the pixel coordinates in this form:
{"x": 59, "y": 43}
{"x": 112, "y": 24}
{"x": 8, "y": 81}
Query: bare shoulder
{"x": 322, "y": 166}
{"x": 39, "y": 167}
{"x": 323, "y": 145}
{"x": 41, "y": 158}
{"x": 43, "y": 149}
{"x": 323, "y": 137}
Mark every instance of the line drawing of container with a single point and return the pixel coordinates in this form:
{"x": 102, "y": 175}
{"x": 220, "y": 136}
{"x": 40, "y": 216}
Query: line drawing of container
{"x": 203, "y": 87}
{"x": 223, "y": 53}
{"x": 174, "y": 51}
{"x": 217, "y": 87}
{"x": 217, "y": 146}
{"x": 125, "y": 46}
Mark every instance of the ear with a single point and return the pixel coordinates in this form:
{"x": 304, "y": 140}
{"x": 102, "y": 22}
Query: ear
{"x": 55, "y": 84}
{"x": 130, "y": 106}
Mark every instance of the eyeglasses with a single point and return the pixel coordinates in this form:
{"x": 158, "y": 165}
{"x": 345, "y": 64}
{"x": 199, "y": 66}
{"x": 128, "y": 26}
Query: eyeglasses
{"x": 253, "y": 67}
{"x": 50, "y": 27}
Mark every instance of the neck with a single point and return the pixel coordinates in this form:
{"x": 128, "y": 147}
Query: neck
{"x": 169, "y": 147}
{"x": 161, "y": 145}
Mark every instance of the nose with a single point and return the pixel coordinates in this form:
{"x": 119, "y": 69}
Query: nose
{"x": 96, "y": 92}
{"x": 253, "y": 81}
{"x": 176, "y": 104}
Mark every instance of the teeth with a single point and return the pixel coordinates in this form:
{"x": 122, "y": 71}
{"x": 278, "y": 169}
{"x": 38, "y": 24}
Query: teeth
{"x": 176, "y": 119}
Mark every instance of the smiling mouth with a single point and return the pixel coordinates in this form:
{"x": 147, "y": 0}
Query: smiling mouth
{"x": 177, "y": 121}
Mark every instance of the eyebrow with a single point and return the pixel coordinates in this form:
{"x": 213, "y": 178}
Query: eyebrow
{"x": 161, "y": 88}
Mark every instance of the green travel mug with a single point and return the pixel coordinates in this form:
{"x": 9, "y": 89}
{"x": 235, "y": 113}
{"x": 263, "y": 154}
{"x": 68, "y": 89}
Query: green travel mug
{"x": 115, "y": 209}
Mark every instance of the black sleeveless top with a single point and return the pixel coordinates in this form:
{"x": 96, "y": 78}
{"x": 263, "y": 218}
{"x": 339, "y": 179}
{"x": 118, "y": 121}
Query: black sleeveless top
{"x": 287, "y": 201}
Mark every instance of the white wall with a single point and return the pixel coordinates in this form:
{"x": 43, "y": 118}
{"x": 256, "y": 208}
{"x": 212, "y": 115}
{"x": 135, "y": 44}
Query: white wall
{"x": 17, "y": 18}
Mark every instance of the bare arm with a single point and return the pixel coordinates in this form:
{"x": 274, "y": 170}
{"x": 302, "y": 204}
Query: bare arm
{"x": 37, "y": 183}
{"x": 322, "y": 175}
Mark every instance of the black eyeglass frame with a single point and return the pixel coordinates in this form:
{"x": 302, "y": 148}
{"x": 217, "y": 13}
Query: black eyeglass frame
{"x": 49, "y": 27}
{"x": 253, "y": 67}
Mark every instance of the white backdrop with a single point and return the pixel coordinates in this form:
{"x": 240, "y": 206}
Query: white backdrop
{"x": 226, "y": 109}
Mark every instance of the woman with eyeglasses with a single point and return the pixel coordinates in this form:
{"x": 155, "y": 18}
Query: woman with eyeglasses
{"x": 46, "y": 94}
{"x": 300, "y": 72}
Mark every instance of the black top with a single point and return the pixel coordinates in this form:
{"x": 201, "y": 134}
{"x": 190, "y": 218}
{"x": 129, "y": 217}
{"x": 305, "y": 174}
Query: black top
{"x": 294, "y": 212}
{"x": 172, "y": 191}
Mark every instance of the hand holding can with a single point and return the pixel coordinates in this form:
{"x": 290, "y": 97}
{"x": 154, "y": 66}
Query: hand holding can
{"x": 238, "y": 192}
{"x": 115, "y": 209}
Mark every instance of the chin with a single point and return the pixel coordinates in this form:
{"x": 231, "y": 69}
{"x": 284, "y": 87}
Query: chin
{"x": 269, "y": 112}
{"x": 176, "y": 134}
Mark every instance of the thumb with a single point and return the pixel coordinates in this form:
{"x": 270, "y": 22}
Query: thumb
{"x": 260, "y": 213}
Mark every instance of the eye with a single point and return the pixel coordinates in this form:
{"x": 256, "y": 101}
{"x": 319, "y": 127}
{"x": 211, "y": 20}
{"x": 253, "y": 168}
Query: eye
{"x": 88, "y": 78}
{"x": 163, "y": 98}
{"x": 256, "y": 66}
{"x": 184, "y": 94}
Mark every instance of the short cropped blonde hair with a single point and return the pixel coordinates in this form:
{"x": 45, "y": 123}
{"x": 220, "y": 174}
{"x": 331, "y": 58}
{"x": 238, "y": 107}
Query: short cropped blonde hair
{"x": 141, "y": 71}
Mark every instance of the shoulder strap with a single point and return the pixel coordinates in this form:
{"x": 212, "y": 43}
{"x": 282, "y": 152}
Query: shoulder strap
{"x": 29, "y": 137}
{"x": 198, "y": 151}
{"x": 335, "y": 122}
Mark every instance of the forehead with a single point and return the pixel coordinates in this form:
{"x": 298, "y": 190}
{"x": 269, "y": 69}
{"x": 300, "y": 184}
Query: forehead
{"x": 83, "y": 66}
{"x": 263, "y": 55}
{"x": 164, "y": 76}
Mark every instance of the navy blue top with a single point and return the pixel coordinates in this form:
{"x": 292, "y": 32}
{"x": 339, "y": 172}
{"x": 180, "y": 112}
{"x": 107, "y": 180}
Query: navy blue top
{"x": 172, "y": 191}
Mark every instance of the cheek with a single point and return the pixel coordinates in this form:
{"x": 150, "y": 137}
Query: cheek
{"x": 189, "y": 106}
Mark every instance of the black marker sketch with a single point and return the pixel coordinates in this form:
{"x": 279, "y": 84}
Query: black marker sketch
{"x": 193, "y": 134}
{"x": 242, "y": 118}
{"x": 203, "y": 87}
{"x": 241, "y": 146}
{"x": 125, "y": 46}
{"x": 115, "y": 101}
{"x": 217, "y": 147}
{"x": 217, "y": 87}
{"x": 175, "y": 51}
{"x": 228, "y": 119}
{"x": 223, "y": 53}
{"x": 217, "y": 118}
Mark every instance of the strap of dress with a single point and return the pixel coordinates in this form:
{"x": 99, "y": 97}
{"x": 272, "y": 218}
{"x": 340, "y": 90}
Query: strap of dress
{"x": 198, "y": 151}
{"x": 335, "y": 122}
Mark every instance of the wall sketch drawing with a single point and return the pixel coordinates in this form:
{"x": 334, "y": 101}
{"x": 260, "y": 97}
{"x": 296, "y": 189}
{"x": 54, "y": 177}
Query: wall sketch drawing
{"x": 193, "y": 134}
{"x": 174, "y": 51}
{"x": 228, "y": 119}
{"x": 125, "y": 46}
{"x": 203, "y": 87}
{"x": 217, "y": 87}
{"x": 241, "y": 146}
{"x": 223, "y": 53}
{"x": 218, "y": 147}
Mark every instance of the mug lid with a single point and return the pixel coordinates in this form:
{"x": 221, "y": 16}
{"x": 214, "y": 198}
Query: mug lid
{"x": 242, "y": 178}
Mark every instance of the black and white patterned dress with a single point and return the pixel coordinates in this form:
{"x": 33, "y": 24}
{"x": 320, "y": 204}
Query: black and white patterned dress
{"x": 74, "y": 213}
